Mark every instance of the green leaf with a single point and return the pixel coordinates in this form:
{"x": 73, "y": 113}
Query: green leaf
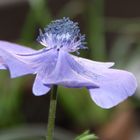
{"x": 86, "y": 136}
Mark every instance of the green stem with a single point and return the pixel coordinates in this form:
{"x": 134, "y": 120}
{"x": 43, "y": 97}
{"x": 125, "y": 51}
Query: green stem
{"x": 52, "y": 111}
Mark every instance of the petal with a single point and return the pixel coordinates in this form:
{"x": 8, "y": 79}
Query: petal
{"x": 43, "y": 61}
{"x": 2, "y": 67}
{"x": 94, "y": 65}
{"x": 115, "y": 86}
{"x": 39, "y": 88}
{"x": 9, "y": 59}
{"x": 69, "y": 73}
{"x": 15, "y": 48}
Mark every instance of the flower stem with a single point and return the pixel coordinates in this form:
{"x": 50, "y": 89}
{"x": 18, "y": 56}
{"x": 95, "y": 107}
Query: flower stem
{"x": 52, "y": 111}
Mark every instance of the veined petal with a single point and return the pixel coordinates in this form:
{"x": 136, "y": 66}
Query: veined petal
{"x": 15, "y": 48}
{"x": 39, "y": 88}
{"x": 69, "y": 73}
{"x": 115, "y": 86}
{"x": 93, "y": 65}
{"x": 43, "y": 62}
{"x": 9, "y": 59}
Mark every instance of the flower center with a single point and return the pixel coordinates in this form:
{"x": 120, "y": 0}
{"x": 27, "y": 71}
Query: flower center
{"x": 62, "y": 34}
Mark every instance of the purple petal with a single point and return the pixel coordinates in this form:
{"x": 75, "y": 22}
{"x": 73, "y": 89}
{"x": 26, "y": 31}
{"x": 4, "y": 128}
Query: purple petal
{"x": 39, "y": 88}
{"x": 15, "y": 48}
{"x": 2, "y": 67}
{"x": 69, "y": 73}
{"x": 93, "y": 65}
{"x": 43, "y": 62}
{"x": 9, "y": 59}
{"x": 115, "y": 86}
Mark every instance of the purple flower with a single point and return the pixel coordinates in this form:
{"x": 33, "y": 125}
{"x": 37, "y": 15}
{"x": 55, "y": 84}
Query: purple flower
{"x": 54, "y": 65}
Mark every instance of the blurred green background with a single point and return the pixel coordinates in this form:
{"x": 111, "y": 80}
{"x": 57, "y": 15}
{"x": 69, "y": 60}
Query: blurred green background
{"x": 112, "y": 31}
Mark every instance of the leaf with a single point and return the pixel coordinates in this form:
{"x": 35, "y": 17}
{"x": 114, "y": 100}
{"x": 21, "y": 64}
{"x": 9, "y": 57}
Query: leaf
{"x": 86, "y": 136}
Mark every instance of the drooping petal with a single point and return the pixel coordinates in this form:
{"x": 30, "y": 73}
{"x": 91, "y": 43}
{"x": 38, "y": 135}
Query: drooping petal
{"x": 15, "y": 48}
{"x": 69, "y": 73}
{"x": 115, "y": 86}
{"x": 39, "y": 88}
{"x": 93, "y": 65}
{"x": 43, "y": 61}
{"x": 2, "y": 67}
{"x": 10, "y": 61}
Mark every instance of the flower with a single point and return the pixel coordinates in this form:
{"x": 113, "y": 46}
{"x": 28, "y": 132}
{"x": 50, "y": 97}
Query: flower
{"x": 55, "y": 65}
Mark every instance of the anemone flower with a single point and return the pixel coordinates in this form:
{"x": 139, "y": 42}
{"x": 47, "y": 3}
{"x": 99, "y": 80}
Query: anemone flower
{"x": 55, "y": 65}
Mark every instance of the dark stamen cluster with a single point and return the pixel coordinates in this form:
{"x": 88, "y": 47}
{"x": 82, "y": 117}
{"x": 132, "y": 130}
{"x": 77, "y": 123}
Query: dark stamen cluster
{"x": 66, "y": 28}
{"x": 63, "y": 26}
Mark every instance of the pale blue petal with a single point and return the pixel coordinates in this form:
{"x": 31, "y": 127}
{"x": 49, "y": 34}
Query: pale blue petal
{"x": 69, "y": 73}
{"x": 2, "y": 67}
{"x": 9, "y": 59}
{"x": 115, "y": 86}
{"x": 43, "y": 61}
{"x": 15, "y": 48}
{"x": 93, "y": 65}
{"x": 39, "y": 88}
